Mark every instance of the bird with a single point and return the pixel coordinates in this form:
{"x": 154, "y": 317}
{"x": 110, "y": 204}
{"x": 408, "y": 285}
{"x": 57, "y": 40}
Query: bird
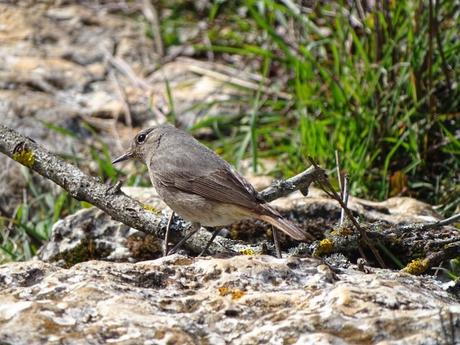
{"x": 200, "y": 186}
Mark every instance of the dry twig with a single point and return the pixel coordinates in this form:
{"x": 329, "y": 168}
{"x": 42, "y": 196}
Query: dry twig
{"x": 233, "y": 79}
{"x": 123, "y": 98}
{"x": 151, "y": 14}
{"x": 327, "y": 187}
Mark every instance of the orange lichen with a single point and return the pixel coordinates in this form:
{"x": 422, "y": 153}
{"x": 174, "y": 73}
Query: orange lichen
{"x": 223, "y": 291}
{"x": 235, "y": 293}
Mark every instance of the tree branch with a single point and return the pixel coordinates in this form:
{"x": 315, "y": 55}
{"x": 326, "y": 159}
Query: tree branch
{"x": 425, "y": 226}
{"x": 79, "y": 185}
{"x": 299, "y": 182}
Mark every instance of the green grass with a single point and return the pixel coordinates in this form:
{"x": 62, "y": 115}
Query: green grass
{"x": 381, "y": 93}
{"x": 31, "y": 223}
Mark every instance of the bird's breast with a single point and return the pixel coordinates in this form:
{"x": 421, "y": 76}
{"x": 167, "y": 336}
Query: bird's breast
{"x": 195, "y": 208}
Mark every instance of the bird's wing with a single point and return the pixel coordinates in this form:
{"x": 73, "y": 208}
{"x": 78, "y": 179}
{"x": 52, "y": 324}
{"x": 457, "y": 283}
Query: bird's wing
{"x": 194, "y": 168}
{"x": 223, "y": 184}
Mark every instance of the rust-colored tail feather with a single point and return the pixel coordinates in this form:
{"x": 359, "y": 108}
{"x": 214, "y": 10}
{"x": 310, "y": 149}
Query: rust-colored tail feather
{"x": 287, "y": 227}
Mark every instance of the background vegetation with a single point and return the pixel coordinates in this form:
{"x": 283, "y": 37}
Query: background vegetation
{"x": 376, "y": 81}
{"x": 377, "y": 84}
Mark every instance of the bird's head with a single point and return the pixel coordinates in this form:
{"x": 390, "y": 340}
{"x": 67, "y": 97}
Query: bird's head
{"x": 144, "y": 142}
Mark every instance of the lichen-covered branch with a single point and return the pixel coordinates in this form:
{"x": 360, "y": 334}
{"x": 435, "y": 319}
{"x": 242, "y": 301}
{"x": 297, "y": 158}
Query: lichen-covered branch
{"x": 113, "y": 201}
{"x": 78, "y": 184}
{"x": 425, "y": 226}
{"x": 299, "y": 182}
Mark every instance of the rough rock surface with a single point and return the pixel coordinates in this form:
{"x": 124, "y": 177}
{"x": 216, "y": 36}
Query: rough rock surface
{"x": 92, "y": 234}
{"x": 241, "y": 300}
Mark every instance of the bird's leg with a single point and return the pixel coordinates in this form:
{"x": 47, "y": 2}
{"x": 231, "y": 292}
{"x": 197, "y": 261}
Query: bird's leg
{"x": 168, "y": 229}
{"x": 194, "y": 229}
{"x": 277, "y": 243}
{"x": 214, "y": 235}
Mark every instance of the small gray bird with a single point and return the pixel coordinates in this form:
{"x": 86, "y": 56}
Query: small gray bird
{"x": 199, "y": 185}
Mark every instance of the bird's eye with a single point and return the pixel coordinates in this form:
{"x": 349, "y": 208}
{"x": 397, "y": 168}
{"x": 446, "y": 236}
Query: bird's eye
{"x": 141, "y": 138}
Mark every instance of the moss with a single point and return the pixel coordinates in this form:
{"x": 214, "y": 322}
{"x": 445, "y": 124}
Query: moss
{"x": 83, "y": 252}
{"x": 24, "y": 156}
{"x": 325, "y": 246}
{"x": 143, "y": 247}
{"x": 417, "y": 266}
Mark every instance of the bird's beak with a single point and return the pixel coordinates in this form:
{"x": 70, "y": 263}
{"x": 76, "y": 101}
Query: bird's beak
{"x": 123, "y": 157}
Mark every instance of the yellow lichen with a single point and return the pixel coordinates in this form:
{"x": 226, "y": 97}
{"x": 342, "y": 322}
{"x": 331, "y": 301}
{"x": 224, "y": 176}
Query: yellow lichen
{"x": 150, "y": 208}
{"x": 24, "y": 156}
{"x": 247, "y": 251}
{"x": 417, "y": 266}
{"x": 325, "y": 246}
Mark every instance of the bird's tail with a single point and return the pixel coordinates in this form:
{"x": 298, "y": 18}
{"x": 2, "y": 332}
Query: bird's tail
{"x": 287, "y": 227}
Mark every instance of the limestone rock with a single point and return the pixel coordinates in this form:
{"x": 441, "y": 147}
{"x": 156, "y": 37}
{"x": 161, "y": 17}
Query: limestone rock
{"x": 91, "y": 234}
{"x": 241, "y": 300}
